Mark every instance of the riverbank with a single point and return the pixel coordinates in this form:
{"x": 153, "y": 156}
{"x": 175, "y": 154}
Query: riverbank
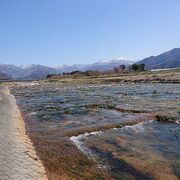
{"x": 166, "y": 76}
{"x": 18, "y": 158}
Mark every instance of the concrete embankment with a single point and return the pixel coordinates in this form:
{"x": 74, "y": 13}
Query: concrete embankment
{"x": 18, "y": 159}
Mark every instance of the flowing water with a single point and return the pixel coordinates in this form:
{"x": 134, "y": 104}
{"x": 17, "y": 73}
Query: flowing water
{"x": 113, "y": 125}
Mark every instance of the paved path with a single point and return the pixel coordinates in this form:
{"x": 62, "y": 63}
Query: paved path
{"x": 18, "y": 159}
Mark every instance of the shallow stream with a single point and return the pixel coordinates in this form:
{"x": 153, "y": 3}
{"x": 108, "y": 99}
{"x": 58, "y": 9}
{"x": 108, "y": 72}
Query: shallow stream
{"x": 112, "y": 124}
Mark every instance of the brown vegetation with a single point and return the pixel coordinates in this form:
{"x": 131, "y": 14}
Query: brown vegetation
{"x": 172, "y": 76}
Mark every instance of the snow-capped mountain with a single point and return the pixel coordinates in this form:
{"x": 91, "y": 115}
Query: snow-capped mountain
{"x": 74, "y": 67}
{"x": 29, "y": 72}
{"x": 118, "y": 60}
{"x": 99, "y": 65}
{"x": 109, "y": 64}
{"x": 169, "y": 59}
{"x": 28, "y": 66}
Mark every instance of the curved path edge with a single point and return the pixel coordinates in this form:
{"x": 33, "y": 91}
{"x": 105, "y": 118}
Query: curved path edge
{"x": 18, "y": 158}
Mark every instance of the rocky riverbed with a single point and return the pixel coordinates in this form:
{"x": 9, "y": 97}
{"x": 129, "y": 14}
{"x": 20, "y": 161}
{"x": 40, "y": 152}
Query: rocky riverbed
{"x": 100, "y": 131}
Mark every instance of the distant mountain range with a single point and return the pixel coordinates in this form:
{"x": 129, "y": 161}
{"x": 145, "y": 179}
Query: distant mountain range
{"x": 30, "y": 72}
{"x": 4, "y": 77}
{"x": 100, "y": 65}
{"x": 169, "y": 59}
{"x": 33, "y": 72}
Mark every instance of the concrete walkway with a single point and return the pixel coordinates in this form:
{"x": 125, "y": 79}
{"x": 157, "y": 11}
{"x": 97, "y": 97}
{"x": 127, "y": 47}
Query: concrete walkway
{"x": 18, "y": 159}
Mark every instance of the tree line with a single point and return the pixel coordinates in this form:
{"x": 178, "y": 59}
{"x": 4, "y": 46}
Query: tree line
{"x": 96, "y": 73}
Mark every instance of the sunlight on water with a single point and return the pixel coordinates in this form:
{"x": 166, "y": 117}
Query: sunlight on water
{"x": 112, "y": 124}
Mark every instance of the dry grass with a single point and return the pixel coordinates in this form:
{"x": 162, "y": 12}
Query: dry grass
{"x": 172, "y": 76}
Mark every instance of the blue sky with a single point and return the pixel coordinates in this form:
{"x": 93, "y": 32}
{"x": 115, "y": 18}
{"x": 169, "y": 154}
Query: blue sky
{"x": 56, "y": 32}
